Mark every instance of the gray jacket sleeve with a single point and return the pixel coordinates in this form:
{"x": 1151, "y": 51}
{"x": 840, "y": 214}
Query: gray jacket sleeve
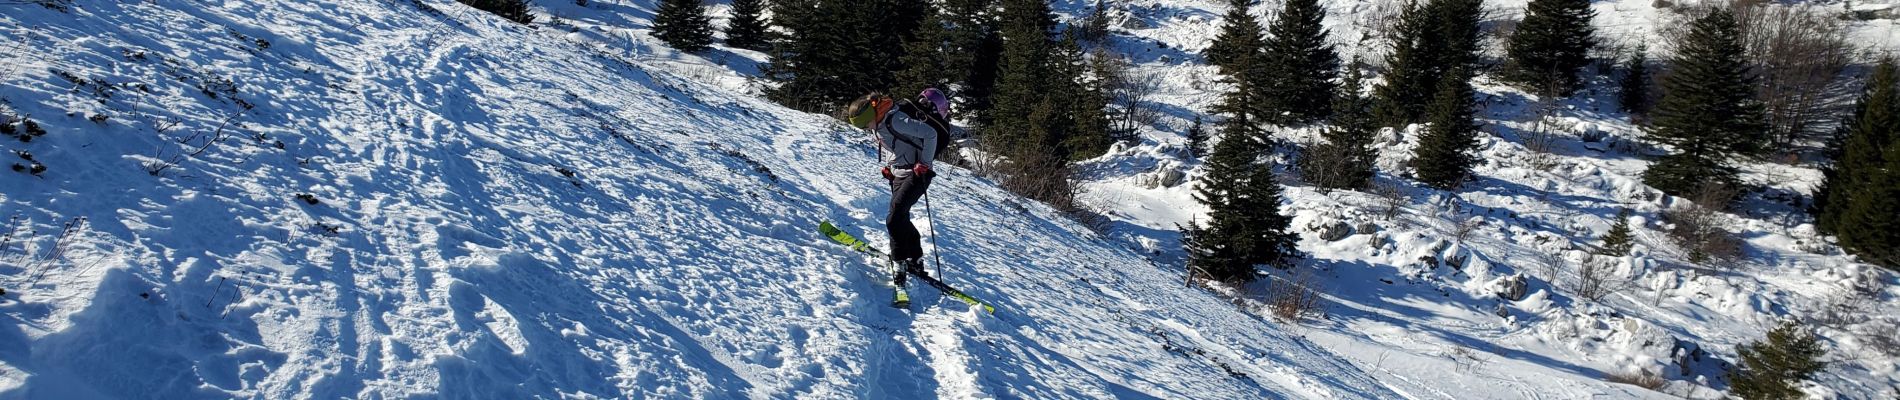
{"x": 918, "y": 141}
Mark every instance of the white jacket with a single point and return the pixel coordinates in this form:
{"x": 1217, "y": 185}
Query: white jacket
{"x": 909, "y": 140}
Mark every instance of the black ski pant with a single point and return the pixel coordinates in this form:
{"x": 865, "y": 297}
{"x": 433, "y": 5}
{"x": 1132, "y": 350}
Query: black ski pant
{"x": 905, "y": 241}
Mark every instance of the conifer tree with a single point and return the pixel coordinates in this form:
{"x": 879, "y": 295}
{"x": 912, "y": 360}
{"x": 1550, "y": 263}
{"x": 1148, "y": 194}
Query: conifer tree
{"x": 1634, "y": 96}
{"x": 1859, "y": 151}
{"x": 1550, "y": 45}
{"x": 1197, "y": 139}
{"x": 1770, "y": 369}
{"x": 747, "y": 27}
{"x": 1300, "y": 63}
{"x": 1870, "y": 228}
{"x": 1441, "y": 159}
{"x": 1708, "y": 113}
{"x": 1085, "y": 133}
{"x": 1861, "y": 190}
{"x": 683, "y": 24}
{"x": 1432, "y": 40}
{"x": 1239, "y": 35}
{"x": 973, "y": 55}
{"x": 1025, "y": 28}
{"x": 1345, "y": 160}
{"x": 1245, "y": 228}
{"x": 512, "y": 10}
{"x": 1617, "y": 242}
{"x": 812, "y": 62}
{"x": 827, "y": 57}
{"x": 925, "y": 59}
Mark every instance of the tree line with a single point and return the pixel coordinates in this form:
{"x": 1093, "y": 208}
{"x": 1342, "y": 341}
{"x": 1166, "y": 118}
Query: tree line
{"x": 1028, "y": 87}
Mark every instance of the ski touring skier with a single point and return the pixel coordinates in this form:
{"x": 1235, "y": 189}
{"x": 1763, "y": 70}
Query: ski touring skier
{"x": 911, "y": 132}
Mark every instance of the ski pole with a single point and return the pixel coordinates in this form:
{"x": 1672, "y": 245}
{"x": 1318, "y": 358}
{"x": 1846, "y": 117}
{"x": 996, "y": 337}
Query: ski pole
{"x": 936, "y": 252}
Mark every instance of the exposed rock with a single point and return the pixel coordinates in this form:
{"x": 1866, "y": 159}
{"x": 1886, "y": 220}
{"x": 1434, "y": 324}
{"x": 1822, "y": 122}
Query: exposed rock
{"x": 1334, "y": 231}
{"x": 1513, "y": 287}
{"x": 1365, "y": 227}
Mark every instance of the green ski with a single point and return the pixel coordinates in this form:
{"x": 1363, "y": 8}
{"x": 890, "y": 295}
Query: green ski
{"x": 860, "y": 246}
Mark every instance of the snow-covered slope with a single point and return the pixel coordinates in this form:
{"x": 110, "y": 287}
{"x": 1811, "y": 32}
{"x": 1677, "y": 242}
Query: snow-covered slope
{"x": 573, "y": 210}
{"x": 1416, "y": 294}
{"x": 358, "y": 198}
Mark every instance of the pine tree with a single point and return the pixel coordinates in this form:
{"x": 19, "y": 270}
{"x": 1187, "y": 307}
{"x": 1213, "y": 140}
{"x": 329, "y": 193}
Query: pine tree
{"x": 924, "y": 60}
{"x": 1858, "y": 152}
{"x": 1770, "y": 369}
{"x": 1431, "y": 41}
{"x": 683, "y": 24}
{"x": 1634, "y": 96}
{"x": 1441, "y": 159}
{"x": 1870, "y": 228}
{"x": 1550, "y": 45}
{"x": 1301, "y": 64}
{"x": 1197, "y": 139}
{"x": 1245, "y": 228}
{"x": 512, "y": 10}
{"x": 1617, "y": 242}
{"x": 973, "y": 55}
{"x": 747, "y": 27}
{"x": 1345, "y": 161}
{"x": 1024, "y": 84}
{"x": 1085, "y": 132}
{"x": 1708, "y": 113}
{"x": 826, "y": 57}
{"x": 1239, "y": 35}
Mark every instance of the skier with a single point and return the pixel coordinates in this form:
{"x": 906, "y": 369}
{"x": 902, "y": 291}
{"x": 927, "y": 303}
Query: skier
{"x": 913, "y": 132}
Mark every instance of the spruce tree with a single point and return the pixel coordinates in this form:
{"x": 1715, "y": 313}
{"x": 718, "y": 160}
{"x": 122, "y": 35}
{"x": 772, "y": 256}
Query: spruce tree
{"x": 1442, "y": 159}
{"x": 827, "y": 56}
{"x": 1617, "y": 242}
{"x": 1708, "y": 113}
{"x": 1197, "y": 139}
{"x": 1239, "y": 35}
{"x": 1858, "y": 152}
{"x": 512, "y": 10}
{"x": 1870, "y": 228}
{"x": 1023, "y": 85}
{"x": 925, "y": 63}
{"x": 1346, "y": 159}
{"x": 1301, "y": 64}
{"x": 972, "y": 55}
{"x": 1085, "y": 133}
{"x": 1550, "y": 45}
{"x": 683, "y": 24}
{"x": 746, "y": 30}
{"x": 1634, "y": 93}
{"x": 1431, "y": 41}
{"x": 1769, "y": 370}
{"x": 1244, "y": 228}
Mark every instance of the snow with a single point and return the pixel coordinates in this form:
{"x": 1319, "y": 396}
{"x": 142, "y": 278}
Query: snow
{"x": 1407, "y": 290}
{"x": 448, "y": 253}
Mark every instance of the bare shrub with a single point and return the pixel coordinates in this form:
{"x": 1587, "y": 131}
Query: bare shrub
{"x": 1642, "y": 379}
{"x": 1037, "y": 175}
{"x": 1468, "y": 359}
{"x": 1698, "y": 227}
{"x": 1466, "y": 226}
{"x": 1799, "y": 53}
{"x": 161, "y": 161}
{"x": 1596, "y": 278}
{"x": 1294, "y": 298}
{"x": 1392, "y": 198}
{"x": 1129, "y": 94}
{"x": 1542, "y": 140}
